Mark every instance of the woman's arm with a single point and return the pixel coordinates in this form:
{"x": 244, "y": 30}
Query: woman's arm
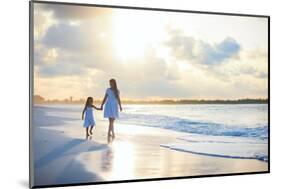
{"x": 119, "y": 102}
{"x": 103, "y": 101}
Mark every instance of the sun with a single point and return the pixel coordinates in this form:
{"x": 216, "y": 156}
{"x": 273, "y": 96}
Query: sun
{"x": 133, "y": 32}
{"x": 129, "y": 39}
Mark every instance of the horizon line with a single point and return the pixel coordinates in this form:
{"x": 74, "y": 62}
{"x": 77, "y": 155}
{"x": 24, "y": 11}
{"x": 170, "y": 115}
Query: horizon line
{"x": 72, "y": 99}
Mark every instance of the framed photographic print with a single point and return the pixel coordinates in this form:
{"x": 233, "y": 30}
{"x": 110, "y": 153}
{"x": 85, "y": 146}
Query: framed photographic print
{"x": 122, "y": 94}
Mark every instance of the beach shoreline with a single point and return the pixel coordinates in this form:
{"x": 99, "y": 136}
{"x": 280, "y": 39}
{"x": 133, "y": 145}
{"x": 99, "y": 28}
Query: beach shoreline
{"x": 62, "y": 155}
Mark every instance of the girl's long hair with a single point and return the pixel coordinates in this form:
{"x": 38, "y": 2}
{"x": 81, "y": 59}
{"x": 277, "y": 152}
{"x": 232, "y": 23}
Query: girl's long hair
{"x": 89, "y": 99}
{"x": 114, "y": 88}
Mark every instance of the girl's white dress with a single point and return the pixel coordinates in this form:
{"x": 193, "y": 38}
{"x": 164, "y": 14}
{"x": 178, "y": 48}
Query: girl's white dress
{"x": 89, "y": 117}
{"x": 111, "y": 105}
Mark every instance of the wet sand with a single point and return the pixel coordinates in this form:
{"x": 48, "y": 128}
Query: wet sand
{"x": 63, "y": 155}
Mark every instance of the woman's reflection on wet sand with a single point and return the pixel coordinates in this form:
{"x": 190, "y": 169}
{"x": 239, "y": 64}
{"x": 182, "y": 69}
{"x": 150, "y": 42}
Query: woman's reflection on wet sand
{"x": 110, "y": 139}
{"x": 107, "y": 156}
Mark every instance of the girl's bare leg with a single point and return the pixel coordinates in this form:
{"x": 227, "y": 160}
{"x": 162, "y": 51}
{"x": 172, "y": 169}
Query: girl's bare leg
{"x": 87, "y": 134}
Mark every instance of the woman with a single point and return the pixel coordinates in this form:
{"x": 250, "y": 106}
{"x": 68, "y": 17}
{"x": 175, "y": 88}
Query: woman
{"x": 111, "y": 100}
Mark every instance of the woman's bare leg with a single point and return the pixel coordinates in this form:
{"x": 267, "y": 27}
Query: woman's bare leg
{"x": 109, "y": 128}
{"x": 109, "y": 139}
{"x": 91, "y": 130}
{"x": 112, "y": 128}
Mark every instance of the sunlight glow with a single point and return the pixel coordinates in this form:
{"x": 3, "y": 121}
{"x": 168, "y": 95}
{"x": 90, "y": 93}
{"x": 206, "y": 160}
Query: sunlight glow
{"x": 129, "y": 42}
{"x": 125, "y": 152}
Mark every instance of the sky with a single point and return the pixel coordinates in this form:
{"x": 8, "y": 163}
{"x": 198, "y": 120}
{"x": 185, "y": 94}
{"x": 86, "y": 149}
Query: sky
{"x": 151, "y": 54}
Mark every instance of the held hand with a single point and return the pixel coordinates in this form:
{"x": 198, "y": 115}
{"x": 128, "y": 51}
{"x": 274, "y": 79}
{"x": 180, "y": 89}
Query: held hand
{"x": 101, "y": 108}
{"x": 121, "y": 109}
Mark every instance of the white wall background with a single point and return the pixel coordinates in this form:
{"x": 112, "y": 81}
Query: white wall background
{"x": 14, "y": 93}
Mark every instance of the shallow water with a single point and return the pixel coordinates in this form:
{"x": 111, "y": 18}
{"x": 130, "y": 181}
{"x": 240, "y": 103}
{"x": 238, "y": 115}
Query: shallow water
{"x": 234, "y": 131}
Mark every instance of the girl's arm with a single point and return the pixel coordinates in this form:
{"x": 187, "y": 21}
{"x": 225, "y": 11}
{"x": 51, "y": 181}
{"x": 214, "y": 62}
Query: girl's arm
{"x": 103, "y": 101}
{"x": 96, "y": 107}
{"x": 83, "y": 113}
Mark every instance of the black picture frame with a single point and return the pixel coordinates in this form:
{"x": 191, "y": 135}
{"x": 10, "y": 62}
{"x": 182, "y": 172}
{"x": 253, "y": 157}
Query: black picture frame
{"x": 31, "y": 79}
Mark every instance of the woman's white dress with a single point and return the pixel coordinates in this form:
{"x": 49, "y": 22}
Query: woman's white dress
{"x": 111, "y": 105}
{"x": 89, "y": 117}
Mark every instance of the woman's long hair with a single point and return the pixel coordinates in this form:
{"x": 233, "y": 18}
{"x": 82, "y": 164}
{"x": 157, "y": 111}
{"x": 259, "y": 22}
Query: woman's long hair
{"x": 113, "y": 86}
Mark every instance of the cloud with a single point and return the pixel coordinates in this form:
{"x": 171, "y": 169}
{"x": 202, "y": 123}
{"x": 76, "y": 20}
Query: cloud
{"x": 73, "y": 12}
{"x": 224, "y": 61}
{"x": 189, "y": 49}
{"x": 58, "y": 62}
{"x": 42, "y": 21}
{"x": 182, "y": 47}
{"x": 151, "y": 75}
{"x": 252, "y": 63}
{"x": 81, "y": 37}
{"x": 54, "y": 70}
{"x": 218, "y": 53}
{"x": 76, "y": 48}
{"x": 253, "y": 71}
{"x": 66, "y": 37}
{"x": 262, "y": 75}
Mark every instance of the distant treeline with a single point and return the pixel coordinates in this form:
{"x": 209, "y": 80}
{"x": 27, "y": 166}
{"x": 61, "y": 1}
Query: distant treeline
{"x": 41, "y": 100}
{"x": 239, "y": 101}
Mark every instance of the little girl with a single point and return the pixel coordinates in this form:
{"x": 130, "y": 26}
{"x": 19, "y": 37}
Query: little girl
{"x": 89, "y": 120}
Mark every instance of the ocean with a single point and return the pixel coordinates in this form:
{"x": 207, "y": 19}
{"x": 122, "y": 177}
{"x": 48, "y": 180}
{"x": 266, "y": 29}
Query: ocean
{"x": 230, "y": 131}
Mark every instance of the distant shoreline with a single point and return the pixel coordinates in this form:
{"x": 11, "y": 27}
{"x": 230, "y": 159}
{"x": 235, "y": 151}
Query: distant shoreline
{"x": 37, "y": 99}
{"x": 167, "y": 102}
